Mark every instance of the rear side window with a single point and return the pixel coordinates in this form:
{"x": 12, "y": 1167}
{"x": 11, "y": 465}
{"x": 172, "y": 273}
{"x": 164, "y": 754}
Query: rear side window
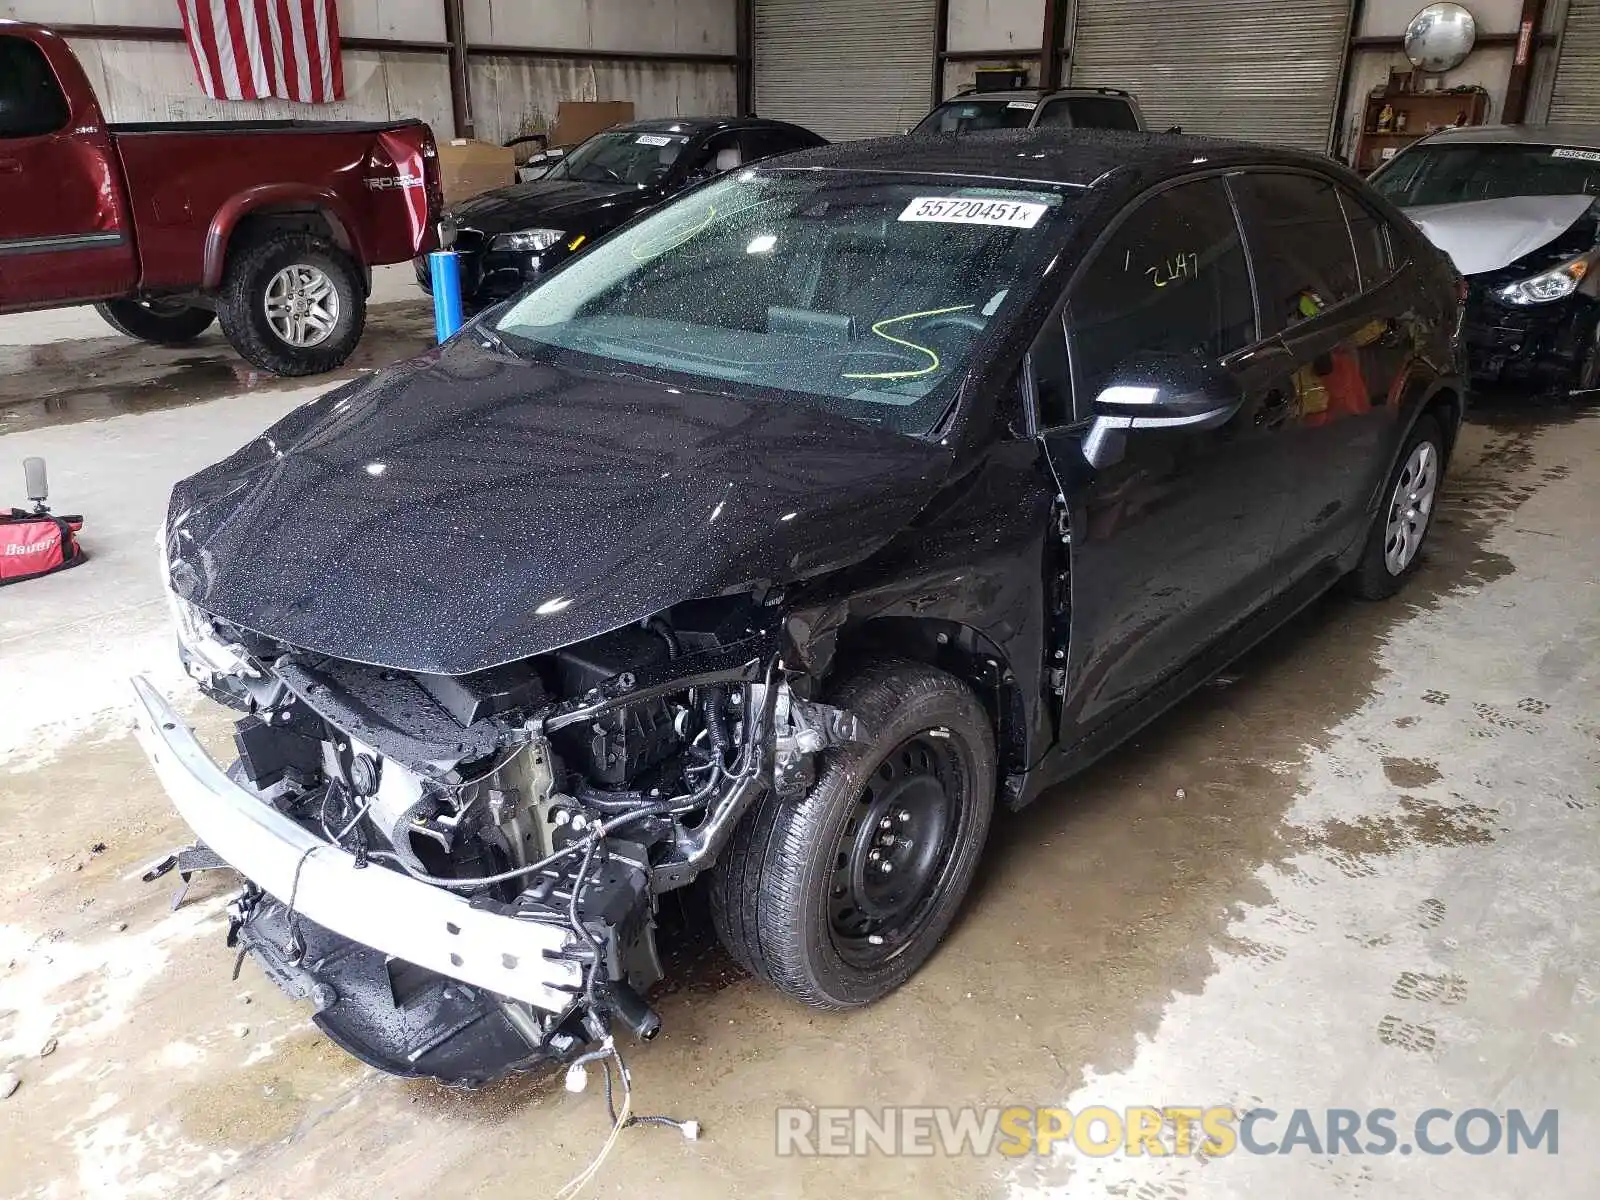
{"x": 1305, "y": 263}
{"x": 1172, "y": 277}
{"x": 757, "y": 144}
{"x": 1370, "y": 236}
{"x": 1089, "y": 112}
{"x": 31, "y": 101}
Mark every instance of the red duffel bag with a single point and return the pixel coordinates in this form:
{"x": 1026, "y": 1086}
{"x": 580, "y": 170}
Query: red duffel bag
{"x": 33, "y": 544}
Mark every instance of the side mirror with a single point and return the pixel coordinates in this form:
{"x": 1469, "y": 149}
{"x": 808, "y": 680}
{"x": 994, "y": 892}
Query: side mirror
{"x": 1158, "y": 391}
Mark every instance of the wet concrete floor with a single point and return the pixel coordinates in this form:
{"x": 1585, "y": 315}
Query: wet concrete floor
{"x": 1357, "y": 871}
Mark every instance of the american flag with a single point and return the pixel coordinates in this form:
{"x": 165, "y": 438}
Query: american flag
{"x": 253, "y": 49}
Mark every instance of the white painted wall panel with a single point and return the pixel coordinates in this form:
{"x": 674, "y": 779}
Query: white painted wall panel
{"x": 959, "y": 75}
{"x": 1488, "y": 68}
{"x": 1389, "y": 18}
{"x": 512, "y": 96}
{"x": 154, "y": 81}
{"x": 681, "y": 26}
{"x": 995, "y": 24}
{"x": 412, "y": 20}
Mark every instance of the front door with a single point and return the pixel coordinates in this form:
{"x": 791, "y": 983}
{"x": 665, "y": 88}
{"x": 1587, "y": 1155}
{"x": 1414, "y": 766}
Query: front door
{"x": 63, "y": 221}
{"x": 1336, "y": 325}
{"x": 1171, "y": 546}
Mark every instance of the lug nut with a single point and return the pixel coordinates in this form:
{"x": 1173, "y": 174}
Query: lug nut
{"x": 886, "y": 867}
{"x": 886, "y": 823}
{"x": 904, "y": 816}
{"x": 874, "y": 855}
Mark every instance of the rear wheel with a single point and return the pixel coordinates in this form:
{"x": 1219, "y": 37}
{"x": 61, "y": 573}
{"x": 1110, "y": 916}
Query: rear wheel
{"x": 161, "y": 322}
{"x": 293, "y": 305}
{"x": 838, "y": 898}
{"x": 1394, "y": 544}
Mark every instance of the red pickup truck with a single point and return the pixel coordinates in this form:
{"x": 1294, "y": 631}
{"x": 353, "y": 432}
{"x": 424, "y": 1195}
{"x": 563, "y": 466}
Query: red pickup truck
{"x": 270, "y": 226}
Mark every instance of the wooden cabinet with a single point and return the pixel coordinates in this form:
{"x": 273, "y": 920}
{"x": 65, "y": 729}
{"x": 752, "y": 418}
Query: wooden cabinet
{"x": 1412, "y": 115}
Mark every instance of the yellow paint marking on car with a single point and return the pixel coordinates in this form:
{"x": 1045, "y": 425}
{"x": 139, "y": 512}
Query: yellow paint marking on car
{"x": 877, "y": 328}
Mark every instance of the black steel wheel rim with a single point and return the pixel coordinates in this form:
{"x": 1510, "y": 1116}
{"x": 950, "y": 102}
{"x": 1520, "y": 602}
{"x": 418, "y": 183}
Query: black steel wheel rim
{"x": 895, "y": 849}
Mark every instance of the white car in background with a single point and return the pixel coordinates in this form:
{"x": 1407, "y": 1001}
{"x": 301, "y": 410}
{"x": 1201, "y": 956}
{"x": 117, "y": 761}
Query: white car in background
{"x": 1517, "y": 209}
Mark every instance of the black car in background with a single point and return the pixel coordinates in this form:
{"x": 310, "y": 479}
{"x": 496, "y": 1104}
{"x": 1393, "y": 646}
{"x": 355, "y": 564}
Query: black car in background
{"x": 772, "y": 544}
{"x": 510, "y": 236}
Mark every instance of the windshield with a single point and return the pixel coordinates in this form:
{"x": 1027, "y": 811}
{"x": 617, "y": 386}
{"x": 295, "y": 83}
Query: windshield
{"x": 1453, "y": 174}
{"x": 976, "y": 116}
{"x": 642, "y": 158}
{"x": 863, "y": 295}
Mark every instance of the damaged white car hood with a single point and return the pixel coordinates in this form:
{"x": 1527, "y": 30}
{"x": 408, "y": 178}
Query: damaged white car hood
{"x": 1485, "y": 235}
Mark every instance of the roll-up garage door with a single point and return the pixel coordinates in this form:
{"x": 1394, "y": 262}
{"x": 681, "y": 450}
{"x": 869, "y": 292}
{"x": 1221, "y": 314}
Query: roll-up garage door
{"x": 844, "y": 68}
{"x": 1576, "y": 97}
{"x": 1261, "y": 70}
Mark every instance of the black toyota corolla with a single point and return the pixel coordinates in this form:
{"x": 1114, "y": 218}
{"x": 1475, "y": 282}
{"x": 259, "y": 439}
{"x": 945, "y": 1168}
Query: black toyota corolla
{"x": 766, "y": 549}
{"x": 510, "y": 237}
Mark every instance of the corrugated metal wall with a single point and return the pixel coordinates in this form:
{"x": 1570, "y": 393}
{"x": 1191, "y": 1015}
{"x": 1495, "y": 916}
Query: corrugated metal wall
{"x": 1575, "y": 97}
{"x": 1261, "y": 70}
{"x": 844, "y": 68}
{"x": 511, "y": 96}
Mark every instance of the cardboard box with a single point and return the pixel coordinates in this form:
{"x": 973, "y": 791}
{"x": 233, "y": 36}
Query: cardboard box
{"x": 580, "y": 119}
{"x": 467, "y": 167}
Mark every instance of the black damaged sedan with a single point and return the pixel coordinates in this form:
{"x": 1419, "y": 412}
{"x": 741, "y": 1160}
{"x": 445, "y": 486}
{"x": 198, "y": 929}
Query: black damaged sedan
{"x": 766, "y": 549}
{"x": 510, "y": 237}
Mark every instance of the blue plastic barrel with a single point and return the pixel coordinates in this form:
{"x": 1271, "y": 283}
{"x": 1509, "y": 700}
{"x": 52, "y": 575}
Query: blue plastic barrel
{"x": 444, "y": 268}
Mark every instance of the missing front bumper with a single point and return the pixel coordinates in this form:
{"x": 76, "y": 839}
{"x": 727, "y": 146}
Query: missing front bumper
{"x": 371, "y": 907}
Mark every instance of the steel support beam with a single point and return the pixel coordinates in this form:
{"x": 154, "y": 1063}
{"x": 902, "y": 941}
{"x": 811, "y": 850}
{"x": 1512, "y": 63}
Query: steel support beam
{"x": 745, "y": 43}
{"x": 455, "y": 30}
{"x": 1052, "y": 40}
{"x": 1520, "y": 79}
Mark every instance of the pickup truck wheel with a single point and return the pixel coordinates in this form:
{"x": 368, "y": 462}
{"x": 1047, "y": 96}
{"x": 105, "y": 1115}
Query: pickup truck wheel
{"x": 159, "y": 322}
{"x": 838, "y": 898}
{"x": 293, "y": 305}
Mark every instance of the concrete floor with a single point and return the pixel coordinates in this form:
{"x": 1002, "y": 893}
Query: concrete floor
{"x": 1361, "y": 871}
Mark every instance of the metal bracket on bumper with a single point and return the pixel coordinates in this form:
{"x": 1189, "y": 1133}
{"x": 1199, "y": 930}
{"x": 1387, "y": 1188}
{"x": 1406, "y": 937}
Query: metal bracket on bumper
{"x": 376, "y": 907}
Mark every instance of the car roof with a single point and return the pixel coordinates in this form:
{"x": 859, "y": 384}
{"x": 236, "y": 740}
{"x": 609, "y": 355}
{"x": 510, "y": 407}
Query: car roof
{"x": 1075, "y": 157}
{"x": 692, "y": 126}
{"x": 1035, "y": 94}
{"x": 1583, "y": 136}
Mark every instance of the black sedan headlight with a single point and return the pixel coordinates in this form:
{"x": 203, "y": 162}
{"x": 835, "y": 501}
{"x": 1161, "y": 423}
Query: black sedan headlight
{"x": 527, "y": 241}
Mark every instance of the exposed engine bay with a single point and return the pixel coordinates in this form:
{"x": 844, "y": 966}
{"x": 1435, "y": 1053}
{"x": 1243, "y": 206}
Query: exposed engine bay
{"x": 568, "y": 791}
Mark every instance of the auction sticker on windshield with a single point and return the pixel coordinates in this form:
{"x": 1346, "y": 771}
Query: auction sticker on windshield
{"x": 654, "y": 139}
{"x": 1585, "y": 155}
{"x": 1018, "y": 214}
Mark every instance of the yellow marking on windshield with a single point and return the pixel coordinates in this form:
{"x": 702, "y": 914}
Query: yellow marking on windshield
{"x": 877, "y": 328}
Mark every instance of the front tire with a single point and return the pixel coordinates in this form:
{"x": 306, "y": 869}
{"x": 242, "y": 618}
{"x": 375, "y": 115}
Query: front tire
{"x": 293, "y": 305}
{"x": 1394, "y": 545}
{"x": 838, "y": 898}
{"x": 158, "y": 322}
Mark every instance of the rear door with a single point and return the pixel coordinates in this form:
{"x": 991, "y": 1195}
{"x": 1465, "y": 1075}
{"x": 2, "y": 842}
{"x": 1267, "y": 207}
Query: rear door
{"x": 1312, "y": 297}
{"x": 1171, "y": 546}
{"x": 63, "y": 215}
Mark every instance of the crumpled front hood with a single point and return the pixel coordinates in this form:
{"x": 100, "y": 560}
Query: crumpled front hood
{"x": 469, "y": 509}
{"x": 546, "y": 201}
{"x": 1485, "y": 235}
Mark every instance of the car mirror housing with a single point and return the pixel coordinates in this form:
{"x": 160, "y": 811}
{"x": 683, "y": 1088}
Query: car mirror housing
{"x": 1158, "y": 390}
